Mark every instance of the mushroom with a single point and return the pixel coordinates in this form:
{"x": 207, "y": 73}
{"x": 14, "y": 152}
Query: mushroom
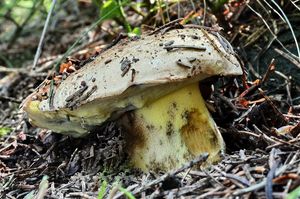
{"x": 150, "y": 85}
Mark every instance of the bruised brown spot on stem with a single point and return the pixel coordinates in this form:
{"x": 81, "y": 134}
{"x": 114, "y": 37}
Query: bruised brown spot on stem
{"x": 170, "y": 129}
{"x": 197, "y": 133}
{"x": 134, "y": 136}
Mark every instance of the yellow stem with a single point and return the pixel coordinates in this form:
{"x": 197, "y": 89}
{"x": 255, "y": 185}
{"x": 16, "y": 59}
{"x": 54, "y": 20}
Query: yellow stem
{"x": 171, "y": 131}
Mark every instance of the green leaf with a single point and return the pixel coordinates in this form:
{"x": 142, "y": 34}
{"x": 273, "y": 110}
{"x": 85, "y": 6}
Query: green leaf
{"x": 109, "y": 10}
{"x": 4, "y": 131}
{"x": 294, "y": 194}
{"x": 136, "y": 31}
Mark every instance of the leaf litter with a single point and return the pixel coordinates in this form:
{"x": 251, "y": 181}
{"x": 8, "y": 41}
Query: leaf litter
{"x": 258, "y": 115}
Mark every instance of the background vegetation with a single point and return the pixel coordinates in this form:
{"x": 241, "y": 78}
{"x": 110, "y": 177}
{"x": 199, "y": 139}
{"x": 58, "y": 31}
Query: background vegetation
{"x": 258, "y": 113}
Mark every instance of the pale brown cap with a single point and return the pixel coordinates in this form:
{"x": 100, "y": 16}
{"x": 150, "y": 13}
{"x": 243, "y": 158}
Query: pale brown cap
{"x": 131, "y": 74}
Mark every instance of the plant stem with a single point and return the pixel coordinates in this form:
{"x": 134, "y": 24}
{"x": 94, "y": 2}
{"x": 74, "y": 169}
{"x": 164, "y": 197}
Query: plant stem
{"x": 123, "y": 15}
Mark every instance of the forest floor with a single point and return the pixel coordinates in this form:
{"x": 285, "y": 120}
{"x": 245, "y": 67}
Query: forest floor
{"x": 258, "y": 113}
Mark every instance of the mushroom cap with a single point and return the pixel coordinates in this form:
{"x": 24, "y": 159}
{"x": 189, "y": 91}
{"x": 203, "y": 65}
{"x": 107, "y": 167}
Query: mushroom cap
{"x": 131, "y": 74}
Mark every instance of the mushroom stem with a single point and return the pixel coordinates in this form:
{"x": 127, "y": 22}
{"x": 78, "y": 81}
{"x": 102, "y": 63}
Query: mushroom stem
{"x": 171, "y": 131}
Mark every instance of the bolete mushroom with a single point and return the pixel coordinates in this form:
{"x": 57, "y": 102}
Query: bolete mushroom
{"x": 148, "y": 84}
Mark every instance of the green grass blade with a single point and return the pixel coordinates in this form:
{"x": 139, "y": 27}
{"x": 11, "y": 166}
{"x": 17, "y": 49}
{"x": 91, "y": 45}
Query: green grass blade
{"x": 126, "y": 193}
{"x": 102, "y": 190}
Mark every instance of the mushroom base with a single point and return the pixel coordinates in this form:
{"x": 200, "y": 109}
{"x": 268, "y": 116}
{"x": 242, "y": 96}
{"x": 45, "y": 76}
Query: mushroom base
{"x": 171, "y": 131}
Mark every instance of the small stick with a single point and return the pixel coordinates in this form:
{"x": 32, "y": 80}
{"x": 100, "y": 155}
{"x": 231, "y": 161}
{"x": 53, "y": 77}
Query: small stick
{"x": 228, "y": 102}
{"x": 273, "y": 106}
{"x": 74, "y": 104}
{"x": 51, "y": 94}
{"x": 11, "y": 99}
{"x": 199, "y": 160}
{"x": 237, "y": 178}
{"x": 166, "y": 25}
{"x": 168, "y": 48}
{"x": 76, "y": 94}
{"x": 133, "y": 73}
{"x": 80, "y": 194}
{"x": 180, "y": 63}
{"x": 88, "y": 94}
{"x": 249, "y": 90}
{"x": 271, "y": 68}
{"x": 115, "y": 41}
{"x": 214, "y": 29}
{"x": 174, "y": 26}
{"x": 288, "y": 86}
{"x": 262, "y": 183}
{"x": 273, "y": 164}
{"x": 288, "y": 57}
{"x": 246, "y": 167}
{"x": 125, "y": 66}
{"x": 107, "y": 61}
{"x": 39, "y": 49}
{"x": 282, "y": 142}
